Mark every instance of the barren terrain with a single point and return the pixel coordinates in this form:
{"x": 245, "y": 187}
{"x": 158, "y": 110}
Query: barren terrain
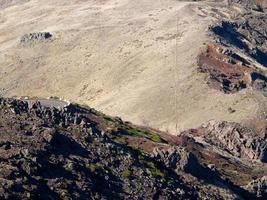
{"x": 130, "y": 58}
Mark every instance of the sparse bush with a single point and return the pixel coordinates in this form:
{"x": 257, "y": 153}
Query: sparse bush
{"x": 126, "y": 173}
{"x": 156, "y": 172}
{"x": 93, "y": 167}
{"x": 151, "y": 167}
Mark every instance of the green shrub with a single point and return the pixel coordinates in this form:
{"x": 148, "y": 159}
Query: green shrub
{"x": 93, "y": 167}
{"x": 126, "y": 173}
{"x": 157, "y": 173}
{"x": 151, "y": 167}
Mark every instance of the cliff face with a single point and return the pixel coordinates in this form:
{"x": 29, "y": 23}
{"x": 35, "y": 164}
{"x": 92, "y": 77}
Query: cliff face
{"x": 75, "y": 152}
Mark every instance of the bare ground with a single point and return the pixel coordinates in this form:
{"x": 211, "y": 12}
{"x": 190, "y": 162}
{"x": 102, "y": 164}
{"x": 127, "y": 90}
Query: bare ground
{"x": 134, "y": 59}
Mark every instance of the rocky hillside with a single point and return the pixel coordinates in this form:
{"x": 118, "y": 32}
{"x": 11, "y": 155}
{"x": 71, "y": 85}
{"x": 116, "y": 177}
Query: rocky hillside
{"x": 194, "y": 71}
{"x": 75, "y": 152}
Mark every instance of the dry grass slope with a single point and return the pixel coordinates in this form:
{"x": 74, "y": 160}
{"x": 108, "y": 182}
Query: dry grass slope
{"x": 134, "y": 59}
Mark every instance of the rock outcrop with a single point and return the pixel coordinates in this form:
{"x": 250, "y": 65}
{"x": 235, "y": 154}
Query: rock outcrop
{"x": 247, "y": 33}
{"x": 257, "y": 5}
{"x": 227, "y": 71}
{"x": 239, "y": 58}
{"x": 177, "y": 158}
{"x": 236, "y": 140}
{"x": 259, "y": 187}
{"x": 33, "y": 38}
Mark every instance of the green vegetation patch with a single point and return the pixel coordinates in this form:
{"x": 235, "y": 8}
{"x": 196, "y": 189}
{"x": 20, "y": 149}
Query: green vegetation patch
{"x": 126, "y": 173}
{"x": 139, "y": 133}
{"x": 120, "y": 139}
{"x": 93, "y": 167}
{"x": 157, "y": 173}
{"x": 3, "y": 107}
{"x": 151, "y": 167}
{"x": 59, "y": 128}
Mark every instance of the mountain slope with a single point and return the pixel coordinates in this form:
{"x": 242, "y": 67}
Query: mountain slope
{"x": 133, "y": 59}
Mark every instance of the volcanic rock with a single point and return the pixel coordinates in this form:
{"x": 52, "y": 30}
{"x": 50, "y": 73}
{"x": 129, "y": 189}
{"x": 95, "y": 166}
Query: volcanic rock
{"x": 35, "y": 37}
{"x": 237, "y": 140}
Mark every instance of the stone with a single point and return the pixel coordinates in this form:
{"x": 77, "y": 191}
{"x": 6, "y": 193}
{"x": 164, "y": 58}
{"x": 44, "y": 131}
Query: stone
{"x": 32, "y": 38}
{"x": 259, "y": 187}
